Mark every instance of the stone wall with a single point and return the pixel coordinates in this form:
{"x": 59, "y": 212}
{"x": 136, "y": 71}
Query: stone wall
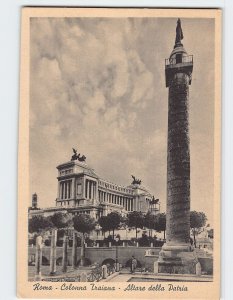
{"x": 99, "y": 255}
{"x": 206, "y": 265}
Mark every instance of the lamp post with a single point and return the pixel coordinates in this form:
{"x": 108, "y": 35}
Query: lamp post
{"x": 117, "y": 263}
{"x": 153, "y": 209}
{"x": 151, "y": 212}
{"x": 97, "y": 229}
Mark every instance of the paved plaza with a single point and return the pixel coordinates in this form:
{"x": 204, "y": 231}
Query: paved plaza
{"x": 139, "y": 277}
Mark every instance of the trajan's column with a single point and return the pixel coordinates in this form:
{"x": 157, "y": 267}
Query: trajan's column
{"x": 177, "y": 255}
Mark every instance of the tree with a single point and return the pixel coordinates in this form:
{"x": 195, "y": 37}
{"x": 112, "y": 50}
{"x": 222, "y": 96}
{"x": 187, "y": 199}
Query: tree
{"x": 136, "y": 220}
{"x": 39, "y": 224}
{"x": 84, "y": 224}
{"x": 144, "y": 241}
{"x": 114, "y": 221}
{"x": 60, "y": 220}
{"x": 149, "y": 222}
{"x": 104, "y": 223}
{"x": 124, "y": 221}
{"x": 160, "y": 224}
{"x": 197, "y": 221}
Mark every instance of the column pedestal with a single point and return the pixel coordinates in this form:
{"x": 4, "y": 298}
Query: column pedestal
{"x": 177, "y": 261}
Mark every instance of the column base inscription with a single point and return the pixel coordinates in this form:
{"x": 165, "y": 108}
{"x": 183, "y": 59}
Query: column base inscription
{"x": 177, "y": 262}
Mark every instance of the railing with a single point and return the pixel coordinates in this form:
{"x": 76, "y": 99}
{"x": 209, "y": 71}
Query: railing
{"x": 110, "y": 269}
{"x": 95, "y": 275}
{"x": 63, "y": 279}
{"x": 183, "y": 60}
{"x": 113, "y": 187}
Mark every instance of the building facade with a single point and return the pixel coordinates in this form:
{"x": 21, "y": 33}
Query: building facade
{"x": 81, "y": 190}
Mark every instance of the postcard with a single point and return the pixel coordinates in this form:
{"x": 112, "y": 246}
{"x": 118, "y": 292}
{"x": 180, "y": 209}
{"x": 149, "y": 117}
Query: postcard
{"x": 119, "y": 153}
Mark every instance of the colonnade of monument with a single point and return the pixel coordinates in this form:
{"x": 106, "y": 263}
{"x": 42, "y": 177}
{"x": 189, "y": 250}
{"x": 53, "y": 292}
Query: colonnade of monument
{"x": 89, "y": 191}
{"x": 127, "y": 203}
{"x": 65, "y": 189}
{"x": 90, "y": 188}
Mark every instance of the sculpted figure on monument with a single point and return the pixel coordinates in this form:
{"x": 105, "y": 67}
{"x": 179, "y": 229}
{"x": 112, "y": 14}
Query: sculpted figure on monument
{"x": 136, "y": 181}
{"x": 154, "y": 201}
{"x": 179, "y": 32}
{"x": 81, "y": 158}
{"x": 76, "y": 156}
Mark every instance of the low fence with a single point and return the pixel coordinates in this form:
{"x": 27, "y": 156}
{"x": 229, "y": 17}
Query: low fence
{"x": 94, "y": 275}
{"x": 103, "y": 272}
{"x": 63, "y": 279}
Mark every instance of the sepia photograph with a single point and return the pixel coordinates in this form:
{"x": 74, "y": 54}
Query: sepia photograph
{"x": 119, "y": 153}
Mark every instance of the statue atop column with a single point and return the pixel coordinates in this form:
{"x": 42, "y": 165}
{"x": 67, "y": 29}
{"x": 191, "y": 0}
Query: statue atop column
{"x": 179, "y": 33}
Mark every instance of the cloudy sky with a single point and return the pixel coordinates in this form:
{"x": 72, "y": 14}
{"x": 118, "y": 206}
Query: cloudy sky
{"x": 98, "y": 84}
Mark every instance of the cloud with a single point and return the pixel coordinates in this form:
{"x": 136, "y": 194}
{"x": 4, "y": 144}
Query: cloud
{"x": 98, "y": 84}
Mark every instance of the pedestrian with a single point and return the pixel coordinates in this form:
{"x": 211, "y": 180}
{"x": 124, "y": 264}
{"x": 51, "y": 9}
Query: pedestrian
{"x": 133, "y": 264}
